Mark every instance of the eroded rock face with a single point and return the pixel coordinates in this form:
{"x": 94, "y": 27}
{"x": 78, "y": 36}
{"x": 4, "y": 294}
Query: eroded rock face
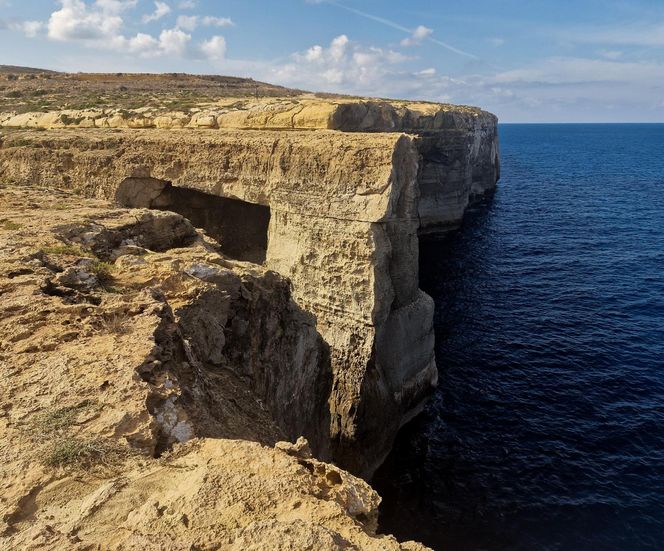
{"x": 165, "y": 348}
{"x": 203, "y": 333}
{"x": 342, "y": 207}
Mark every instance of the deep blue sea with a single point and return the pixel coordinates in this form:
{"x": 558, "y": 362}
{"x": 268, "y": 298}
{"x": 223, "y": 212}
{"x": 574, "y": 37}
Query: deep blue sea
{"x": 547, "y": 429}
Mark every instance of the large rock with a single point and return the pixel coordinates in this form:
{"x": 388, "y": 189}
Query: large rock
{"x": 145, "y": 397}
{"x": 342, "y": 207}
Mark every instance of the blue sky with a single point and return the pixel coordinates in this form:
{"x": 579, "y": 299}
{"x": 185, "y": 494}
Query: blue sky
{"x": 536, "y": 61}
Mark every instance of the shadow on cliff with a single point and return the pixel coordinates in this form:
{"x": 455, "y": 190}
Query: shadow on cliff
{"x": 414, "y": 506}
{"x": 249, "y": 359}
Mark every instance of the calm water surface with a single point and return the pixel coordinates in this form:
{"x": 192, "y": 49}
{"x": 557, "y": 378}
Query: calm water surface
{"x": 547, "y": 430}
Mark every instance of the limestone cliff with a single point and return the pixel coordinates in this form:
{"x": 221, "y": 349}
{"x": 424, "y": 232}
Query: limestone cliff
{"x": 331, "y": 193}
{"x": 145, "y": 383}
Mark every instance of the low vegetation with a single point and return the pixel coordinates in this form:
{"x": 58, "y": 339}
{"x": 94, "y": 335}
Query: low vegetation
{"x": 115, "y": 323}
{"x": 103, "y": 271}
{"x": 63, "y": 449}
{"x": 67, "y": 250}
{"x": 61, "y": 419}
{"x": 20, "y": 142}
{"x": 9, "y": 225}
{"x": 79, "y": 452}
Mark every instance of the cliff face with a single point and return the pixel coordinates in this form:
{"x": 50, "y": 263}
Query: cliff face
{"x": 339, "y": 208}
{"x": 459, "y": 161}
{"x": 146, "y": 381}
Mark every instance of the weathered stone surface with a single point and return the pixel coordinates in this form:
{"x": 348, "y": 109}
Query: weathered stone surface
{"x": 348, "y": 242}
{"x": 302, "y": 112}
{"x": 169, "y": 350}
{"x": 459, "y": 145}
{"x": 346, "y": 203}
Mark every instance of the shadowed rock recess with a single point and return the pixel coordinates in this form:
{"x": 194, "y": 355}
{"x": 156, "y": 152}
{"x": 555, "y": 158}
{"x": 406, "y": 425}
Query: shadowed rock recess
{"x": 260, "y": 282}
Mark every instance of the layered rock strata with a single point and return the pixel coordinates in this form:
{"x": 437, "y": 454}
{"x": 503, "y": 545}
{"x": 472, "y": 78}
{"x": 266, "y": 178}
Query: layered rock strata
{"x": 145, "y": 380}
{"x": 346, "y": 203}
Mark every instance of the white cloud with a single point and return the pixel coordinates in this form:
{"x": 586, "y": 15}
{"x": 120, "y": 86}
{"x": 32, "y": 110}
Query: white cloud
{"x": 210, "y": 21}
{"x": 75, "y": 21}
{"x": 338, "y": 47}
{"x": 141, "y": 44}
{"x": 187, "y": 5}
{"x": 100, "y": 25}
{"x": 32, "y": 28}
{"x": 611, "y": 54}
{"x": 643, "y": 35}
{"x": 173, "y": 42}
{"x": 161, "y": 9}
{"x": 574, "y": 70}
{"x": 115, "y": 6}
{"x": 214, "y": 48}
{"x": 342, "y": 66}
{"x": 550, "y": 89}
{"x": 191, "y": 22}
{"x": 420, "y": 34}
{"x": 315, "y": 53}
{"x": 28, "y": 28}
{"x": 187, "y": 22}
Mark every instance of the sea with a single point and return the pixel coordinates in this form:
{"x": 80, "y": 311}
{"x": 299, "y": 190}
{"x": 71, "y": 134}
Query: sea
{"x": 547, "y": 429}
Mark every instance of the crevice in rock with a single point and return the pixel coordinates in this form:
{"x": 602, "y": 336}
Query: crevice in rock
{"x": 234, "y": 363}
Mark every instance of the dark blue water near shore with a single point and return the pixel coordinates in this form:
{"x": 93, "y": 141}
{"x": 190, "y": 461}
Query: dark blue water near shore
{"x": 547, "y": 430}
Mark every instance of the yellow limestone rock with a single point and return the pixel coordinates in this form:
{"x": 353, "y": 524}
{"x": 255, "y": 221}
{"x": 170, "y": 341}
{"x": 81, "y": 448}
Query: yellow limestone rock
{"x": 147, "y": 384}
{"x": 340, "y": 188}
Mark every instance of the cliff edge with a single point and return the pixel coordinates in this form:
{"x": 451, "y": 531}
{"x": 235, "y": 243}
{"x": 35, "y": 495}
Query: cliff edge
{"x": 332, "y": 193}
{"x": 141, "y": 395}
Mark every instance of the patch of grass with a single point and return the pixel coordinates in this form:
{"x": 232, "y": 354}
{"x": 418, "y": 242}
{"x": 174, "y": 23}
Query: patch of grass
{"x": 78, "y": 452}
{"x": 20, "y": 142}
{"x": 10, "y": 226}
{"x": 115, "y": 323}
{"x": 103, "y": 271}
{"x": 61, "y": 419}
{"x": 67, "y": 250}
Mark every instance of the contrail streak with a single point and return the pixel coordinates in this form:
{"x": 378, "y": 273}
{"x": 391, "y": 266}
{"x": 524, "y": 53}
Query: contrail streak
{"x": 395, "y": 25}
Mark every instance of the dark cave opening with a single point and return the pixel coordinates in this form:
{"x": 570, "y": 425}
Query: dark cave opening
{"x": 240, "y": 228}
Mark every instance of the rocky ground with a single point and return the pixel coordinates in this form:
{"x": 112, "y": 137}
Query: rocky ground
{"x": 47, "y": 99}
{"x": 131, "y": 412}
{"x": 24, "y": 89}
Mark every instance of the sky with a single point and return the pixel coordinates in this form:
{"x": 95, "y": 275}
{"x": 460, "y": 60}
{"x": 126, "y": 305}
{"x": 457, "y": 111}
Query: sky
{"x": 526, "y": 61}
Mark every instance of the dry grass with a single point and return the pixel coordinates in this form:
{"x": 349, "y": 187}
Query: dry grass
{"x": 114, "y": 323}
{"x": 79, "y": 452}
{"x": 20, "y": 142}
{"x": 10, "y": 226}
{"x": 67, "y": 250}
{"x": 61, "y": 419}
{"x": 103, "y": 271}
